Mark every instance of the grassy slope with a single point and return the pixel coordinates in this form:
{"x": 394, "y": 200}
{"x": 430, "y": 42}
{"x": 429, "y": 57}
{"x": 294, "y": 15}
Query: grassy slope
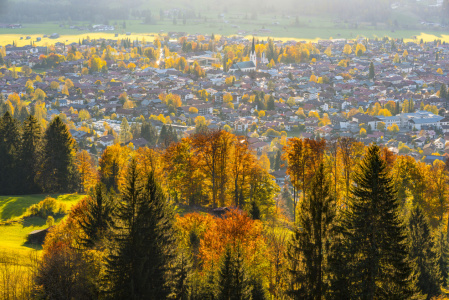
{"x": 12, "y": 209}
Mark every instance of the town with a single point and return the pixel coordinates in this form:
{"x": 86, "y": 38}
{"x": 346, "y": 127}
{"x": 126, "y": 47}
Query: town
{"x": 385, "y": 91}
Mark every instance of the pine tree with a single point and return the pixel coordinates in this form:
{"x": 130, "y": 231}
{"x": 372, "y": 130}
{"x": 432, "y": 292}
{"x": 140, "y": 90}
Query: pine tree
{"x": 9, "y": 154}
{"x": 180, "y": 280}
{"x": 30, "y": 155}
{"x": 307, "y": 252}
{"x": 277, "y": 161}
{"x": 233, "y": 278}
{"x": 143, "y": 241}
{"x": 371, "y": 71}
{"x": 442, "y": 249}
{"x": 149, "y": 132}
{"x": 376, "y": 237}
{"x": 422, "y": 252}
{"x": 59, "y": 173}
{"x": 270, "y": 103}
{"x": 96, "y": 217}
{"x": 443, "y": 91}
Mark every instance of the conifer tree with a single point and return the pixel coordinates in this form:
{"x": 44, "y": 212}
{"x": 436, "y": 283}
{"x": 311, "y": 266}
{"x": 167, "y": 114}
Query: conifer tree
{"x": 30, "y": 155}
{"x": 96, "y": 217}
{"x": 149, "y": 133}
{"x": 443, "y": 91}
{"x": 59, "y": 172}
{"x": 308, "y": 250}
{"x": 9, "y": 153}
{"x": 371, "y": 71}
{"x": 143, "y": 241}
{"x": 422, "y": 252}
{"x": 233, "y": 277}
{"x": 180, "y": 279}
{"x": 442, "y": 249}
{"x": 376, "y": 237}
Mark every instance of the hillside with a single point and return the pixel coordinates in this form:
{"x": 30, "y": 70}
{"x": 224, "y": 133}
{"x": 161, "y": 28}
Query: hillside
{"x": 14, "y": 228}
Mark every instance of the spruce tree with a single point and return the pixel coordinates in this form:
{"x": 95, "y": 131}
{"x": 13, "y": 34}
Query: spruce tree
{"x": 442, "y": 249}
{"x": 309, "y": 247}
{"x": 233, "y": 283}
{"x": 443, "y": 91}
{"x": 376, "y": 236}
{"x": 371, "y": 71}
{"x": 277, "y": 160}
{"x": 149, "y": 133}
{"x": 96, "y": 217}
{"x": 59, "y": 173}
{"x": 9, "y": 154}
{"x": 30, "y": 155}
{"x": 180, "y": 278}
{"x": 422, "y": 252}
{"x": 143, "y": 241}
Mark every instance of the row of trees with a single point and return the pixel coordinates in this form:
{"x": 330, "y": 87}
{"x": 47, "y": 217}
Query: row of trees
{"x": 368, "y": 246}
{"x": 34, "y": 160}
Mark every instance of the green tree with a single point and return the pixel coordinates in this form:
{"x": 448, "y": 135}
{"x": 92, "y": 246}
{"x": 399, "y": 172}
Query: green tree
{"x": 30, "y": 155}
{"x": 232, "y": 276}
{"x": 96, "y": 217}
{"x": 443, "y": 91}
{"x": 143, "y": 240}
{"x": 9, "y": 154}
{"x": 422, "y": 253}
{"x": 59, "y": 172}
{"x": 371, "y": 71}
{"x": 307, "y": 252}
{"x": 442, "y": 249}
{"x": 149, "y": 132}
{"x": 376, "y": 235}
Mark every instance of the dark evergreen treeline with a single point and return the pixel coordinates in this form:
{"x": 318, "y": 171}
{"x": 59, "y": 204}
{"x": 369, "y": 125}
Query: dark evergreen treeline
{"x": 33, "y": 160}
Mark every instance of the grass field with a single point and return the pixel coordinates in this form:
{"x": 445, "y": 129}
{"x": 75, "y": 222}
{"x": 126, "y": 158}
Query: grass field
{"x": 279, "y": 26}
{"x": 15, "y": 228}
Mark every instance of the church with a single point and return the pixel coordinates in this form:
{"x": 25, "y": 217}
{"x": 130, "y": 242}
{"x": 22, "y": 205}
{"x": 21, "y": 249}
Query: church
{"x": 248, "y": 66}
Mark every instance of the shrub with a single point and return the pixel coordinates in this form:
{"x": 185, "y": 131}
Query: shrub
{"x": 47, "y": 207}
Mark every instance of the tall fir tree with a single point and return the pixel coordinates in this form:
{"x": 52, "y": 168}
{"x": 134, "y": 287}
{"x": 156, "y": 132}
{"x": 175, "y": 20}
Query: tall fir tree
{"x": 371, "y": 71}
{"x": 309, "y": 247}
{"x": 58, "y": 172}
{"x": 149, "y": 132}
{"x": 30, "y": 155}
{"x": 443, "y": 91}
{"x": 96, "y": 217}
{"x": 422, "y": 252}
{"x": 143, "y": 241}
{"x": 9, "y": 154}
{"x": 377, "y": 255}
{"x": 233, "y": 283}
{"x": 442, "y": 249}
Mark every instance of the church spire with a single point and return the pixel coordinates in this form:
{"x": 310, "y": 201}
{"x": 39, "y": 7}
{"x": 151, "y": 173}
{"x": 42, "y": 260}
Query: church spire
{"x": 253, "y": 48}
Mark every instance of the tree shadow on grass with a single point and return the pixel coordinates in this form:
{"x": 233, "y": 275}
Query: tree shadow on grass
{"x": 15, "y": 206}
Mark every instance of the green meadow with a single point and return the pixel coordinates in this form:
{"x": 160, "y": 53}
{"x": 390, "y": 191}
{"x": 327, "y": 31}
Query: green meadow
{"x": 15, "y": 226}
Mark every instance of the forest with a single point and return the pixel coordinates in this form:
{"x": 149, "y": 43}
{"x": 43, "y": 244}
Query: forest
{"x": 351, "y": 222}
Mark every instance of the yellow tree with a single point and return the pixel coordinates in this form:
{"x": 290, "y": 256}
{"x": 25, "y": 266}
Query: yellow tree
{"x": 347, "y": 49}
{"x": 87, "y": 171}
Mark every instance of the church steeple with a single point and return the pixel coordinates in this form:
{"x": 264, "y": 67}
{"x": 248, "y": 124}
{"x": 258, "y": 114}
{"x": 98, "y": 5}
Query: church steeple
{"x": 252, "y": 55}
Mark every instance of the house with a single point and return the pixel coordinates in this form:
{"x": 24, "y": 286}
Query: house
{"x": 366, "y": 119}
{"x": 107, "y": 140}
{"x": 439, "y": 143}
